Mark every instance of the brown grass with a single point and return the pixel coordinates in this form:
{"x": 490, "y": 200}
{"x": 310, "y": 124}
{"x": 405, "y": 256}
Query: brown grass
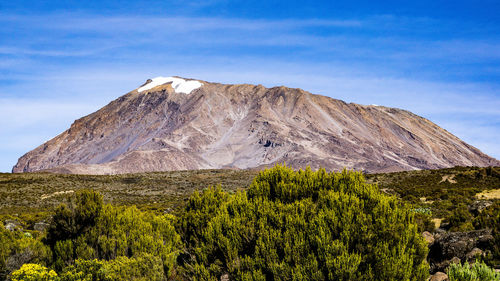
{"x": 489, "y": 194}
{"x": 437, "y": 222}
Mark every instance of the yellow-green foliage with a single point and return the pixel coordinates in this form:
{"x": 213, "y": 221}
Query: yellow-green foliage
{"x": 34, "y": 272}
{"x": 475, "y": 272}
{"x": 83, "y": 270}
{"x": 301, "y": 225}
{"x": 6, "y": 243}
{"x": 143, "y": 268}
{"x": 20, "y": 247}
{"x": 88, "y": 230}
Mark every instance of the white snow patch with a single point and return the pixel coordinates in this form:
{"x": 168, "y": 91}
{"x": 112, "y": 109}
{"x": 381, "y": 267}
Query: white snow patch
{"x": 180, "y": 85}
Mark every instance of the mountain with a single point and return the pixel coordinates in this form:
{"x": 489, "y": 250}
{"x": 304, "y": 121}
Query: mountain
{"x": 172, "y": 123}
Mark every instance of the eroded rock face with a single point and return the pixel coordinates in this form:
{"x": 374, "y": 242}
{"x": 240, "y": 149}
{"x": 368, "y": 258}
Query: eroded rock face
{"x": 246, "y": 126}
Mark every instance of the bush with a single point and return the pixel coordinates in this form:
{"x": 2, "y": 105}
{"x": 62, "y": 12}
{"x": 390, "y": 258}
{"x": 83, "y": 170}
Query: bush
{"x": 424, "y": 222}
{"x": 89, "y": 230}
{"x": 143, "y": 268}
{"x": 84, "y": 270}
{"x": 476, "y": 272}
{"x": 301, "y": 225}
{"x": 34, "y": 272}
{"x": 73, "y": 219}
{"x": 6, "y": 243}
{"x": 461, "y": 219}
{"x": 18, "y": 248}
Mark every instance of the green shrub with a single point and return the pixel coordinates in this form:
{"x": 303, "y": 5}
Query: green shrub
{"x": 34, "y": 272}
{"x": 424, "y": 222}
{"x": 6, "y": 243}
{"x": 476, "y": 272}
{"x": 17, "y": 248}
{"x": 460, "y": 219}
{"x": 73, "y": 219}
{"x": 301, "y": 225}
{"x": 88, "y": 230}
{"x": 84, "y": 270}
{"x": 143, "y": 268}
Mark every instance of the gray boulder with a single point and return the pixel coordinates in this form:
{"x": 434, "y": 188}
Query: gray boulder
{"x": 458, "y": 246}
{"x": 478, "y": 206}
{"x": 41, "y": 226}
{"x": 13, "y": 225}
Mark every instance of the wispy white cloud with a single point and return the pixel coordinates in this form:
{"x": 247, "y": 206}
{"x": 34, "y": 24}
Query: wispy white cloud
{"x": 54, "y": 53}
{"x": 110, "y": 24}
{"x": 83, "y": 35}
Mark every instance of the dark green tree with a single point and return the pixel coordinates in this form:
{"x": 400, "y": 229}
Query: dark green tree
{"x": 72, "y": 219}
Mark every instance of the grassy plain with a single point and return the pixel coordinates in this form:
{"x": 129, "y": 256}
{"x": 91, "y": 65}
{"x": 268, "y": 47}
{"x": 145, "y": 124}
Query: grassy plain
{"x": 440, "y": 191}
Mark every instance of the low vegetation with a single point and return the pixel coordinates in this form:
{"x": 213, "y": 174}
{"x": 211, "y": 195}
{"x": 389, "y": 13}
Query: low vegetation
{"x": 39, "y": 192}
{"x": 475, "y": 272}
{"x": 306, "y": 225}
{"x": 440, "y": 190}
{"x": 271, "y": 225}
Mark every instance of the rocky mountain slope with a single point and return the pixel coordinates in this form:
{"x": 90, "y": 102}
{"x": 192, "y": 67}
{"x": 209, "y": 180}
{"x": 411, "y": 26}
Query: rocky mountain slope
{"x": 170, "y": 123}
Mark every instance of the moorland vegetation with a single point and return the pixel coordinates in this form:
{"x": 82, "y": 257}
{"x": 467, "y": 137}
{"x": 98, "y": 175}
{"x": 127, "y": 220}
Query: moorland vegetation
{"x": 287, "y": 225}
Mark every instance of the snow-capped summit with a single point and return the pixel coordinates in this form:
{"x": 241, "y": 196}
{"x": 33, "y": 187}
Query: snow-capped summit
{"x": 211, "y": 125}
{"x": 180, "y": 85}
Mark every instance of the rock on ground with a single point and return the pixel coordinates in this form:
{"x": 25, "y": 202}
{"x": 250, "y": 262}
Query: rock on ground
{"x": 458, "y": 247}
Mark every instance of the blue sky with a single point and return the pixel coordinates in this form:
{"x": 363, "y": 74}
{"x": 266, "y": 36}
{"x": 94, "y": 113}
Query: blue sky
{"x": 61, "y": 60}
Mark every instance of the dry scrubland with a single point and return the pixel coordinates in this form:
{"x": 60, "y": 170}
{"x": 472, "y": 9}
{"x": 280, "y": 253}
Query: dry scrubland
{"x": 34, "y": 192}
{"x": 261, "y": 226}
{"x": 20, "y": 193}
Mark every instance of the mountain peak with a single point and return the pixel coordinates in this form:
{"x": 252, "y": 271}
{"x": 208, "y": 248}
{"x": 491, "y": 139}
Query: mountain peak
{"x": 202, "y": 125}
{"x": 180, "y": 85}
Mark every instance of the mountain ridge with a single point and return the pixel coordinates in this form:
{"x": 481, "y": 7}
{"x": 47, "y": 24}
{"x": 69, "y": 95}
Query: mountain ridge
{"x": 166, "y": 127}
